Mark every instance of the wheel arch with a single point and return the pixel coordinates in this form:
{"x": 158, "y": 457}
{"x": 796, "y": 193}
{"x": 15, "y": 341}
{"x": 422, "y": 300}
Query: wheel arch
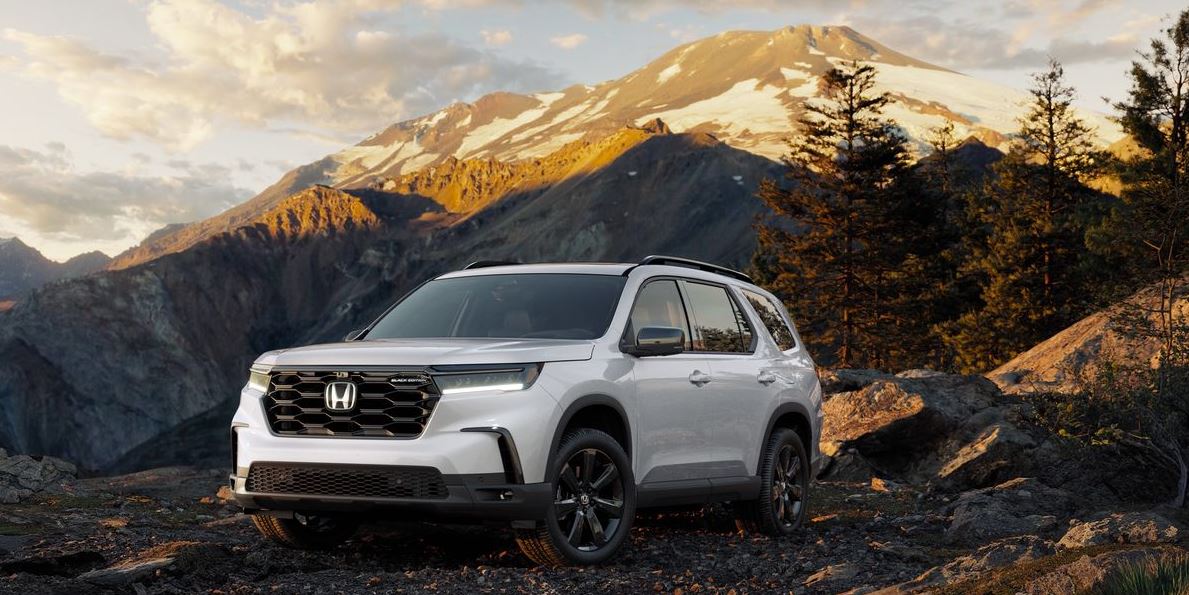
{"x": 597, "y": 411}
{"x": 794, "y": 416}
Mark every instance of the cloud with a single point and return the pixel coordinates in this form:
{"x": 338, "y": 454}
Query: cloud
{"x": 968, "y": 45}
{"x": 318, "y": 66}
{"x": 496, "y": 38}
{"x": 45, "y": 196}
{"x": 568, "y": 42}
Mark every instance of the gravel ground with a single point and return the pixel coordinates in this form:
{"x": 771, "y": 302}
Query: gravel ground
{"x": 165, "y": 531}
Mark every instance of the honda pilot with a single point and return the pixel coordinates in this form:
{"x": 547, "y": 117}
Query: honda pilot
{"x": 558, "y": 399}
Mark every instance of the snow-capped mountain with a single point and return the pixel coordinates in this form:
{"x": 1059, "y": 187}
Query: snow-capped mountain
{"x": 747, "y": 88}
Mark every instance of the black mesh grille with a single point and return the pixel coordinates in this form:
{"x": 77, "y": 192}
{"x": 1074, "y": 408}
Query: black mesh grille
{"x": 347, "y": 480}
{"x": 394, "y": 404}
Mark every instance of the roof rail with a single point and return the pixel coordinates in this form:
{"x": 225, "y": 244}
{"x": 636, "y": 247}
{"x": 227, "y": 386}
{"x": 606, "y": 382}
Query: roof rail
{"x": 677, "y": 261}
{"x": 482, "y": 264}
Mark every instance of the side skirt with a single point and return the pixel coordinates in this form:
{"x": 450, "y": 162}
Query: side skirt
{"x": 697, "y": 491}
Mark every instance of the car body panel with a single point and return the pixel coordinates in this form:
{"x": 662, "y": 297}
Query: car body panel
{"x": 680, "y": 434}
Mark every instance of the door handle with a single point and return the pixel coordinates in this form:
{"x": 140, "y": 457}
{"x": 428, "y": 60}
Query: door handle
{"x": 767, "y": 378}
{"x": 698, "y": 378}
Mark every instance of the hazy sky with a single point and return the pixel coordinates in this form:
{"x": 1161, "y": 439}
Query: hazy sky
{"x": 119, "y": 116}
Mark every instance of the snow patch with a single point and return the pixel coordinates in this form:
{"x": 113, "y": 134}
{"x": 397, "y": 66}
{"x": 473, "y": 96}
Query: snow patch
{"x": 492, "y": 131}
{"x": 436, "y": 118}
{"x": 548, "y": 99}
{"x": 743, "y": 107}
{"x": 793, "y": 73}
{"x": 463, "y": 122}
{"x": 985, "y": 104}
{"x": 668, "y": 73}
{"x": 816, "y": 52}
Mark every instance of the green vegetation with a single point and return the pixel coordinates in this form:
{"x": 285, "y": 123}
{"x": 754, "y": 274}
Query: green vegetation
{"x": 1167, "y": 576}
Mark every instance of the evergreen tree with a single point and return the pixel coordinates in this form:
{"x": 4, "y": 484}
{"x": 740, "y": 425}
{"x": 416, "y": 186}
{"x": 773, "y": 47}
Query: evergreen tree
{"x": 1035, "y": 213}
{"x": 844, "y": 227}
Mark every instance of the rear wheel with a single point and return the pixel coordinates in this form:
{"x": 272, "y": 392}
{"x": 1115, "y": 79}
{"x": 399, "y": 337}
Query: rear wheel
{"x": 784, "y": 487}
{"x": 594, "y": 503}
{"x": 305, "y": 532}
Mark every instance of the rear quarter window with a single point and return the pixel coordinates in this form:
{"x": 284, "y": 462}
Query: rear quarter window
{"x": 773, "y": 319}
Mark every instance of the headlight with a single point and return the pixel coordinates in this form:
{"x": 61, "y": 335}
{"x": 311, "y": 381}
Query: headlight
{"x": 457, "y": 380}
{"x": 258, "y": 379}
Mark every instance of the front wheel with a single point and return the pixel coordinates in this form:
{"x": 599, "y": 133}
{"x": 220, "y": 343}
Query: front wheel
{"x": 784, "y": 487}
{"x": 594, "y": 503}
{"x": 305, "y": 532}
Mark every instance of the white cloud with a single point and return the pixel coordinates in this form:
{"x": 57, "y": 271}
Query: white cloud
{"x": 568, "y": 42}
{"x": 496, "y": 38}
{"x": 297, "y": 64}
{"x": 52, "y": 205}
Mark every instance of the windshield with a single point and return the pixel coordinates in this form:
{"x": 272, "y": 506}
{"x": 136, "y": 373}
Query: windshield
{"x": 533, "y": 306}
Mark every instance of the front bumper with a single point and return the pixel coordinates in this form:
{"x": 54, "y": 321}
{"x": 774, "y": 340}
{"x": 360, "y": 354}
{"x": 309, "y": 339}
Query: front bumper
{"x": 489, "y": 449}
{"x": 481, "y": 497}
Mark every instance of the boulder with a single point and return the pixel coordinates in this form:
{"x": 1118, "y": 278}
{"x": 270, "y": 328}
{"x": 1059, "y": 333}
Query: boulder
{"x": 924, "y": 427}
{"x": 1022, "y": 506}
{"x": 847, "y": 379}
{"x": 22, "y": 476}
{"x": 1130, "y": 527}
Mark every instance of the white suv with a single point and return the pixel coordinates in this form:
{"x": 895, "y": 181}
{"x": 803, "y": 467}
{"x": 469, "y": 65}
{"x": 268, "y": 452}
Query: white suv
{"x": 559, "y": 398}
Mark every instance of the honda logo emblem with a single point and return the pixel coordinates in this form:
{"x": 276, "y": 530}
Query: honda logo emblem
{"x": 340, "y": 396}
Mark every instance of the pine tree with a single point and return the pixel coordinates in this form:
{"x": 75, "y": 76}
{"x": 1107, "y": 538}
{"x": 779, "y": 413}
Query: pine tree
{"x": 843, "y": 227}
{"x": 1035, "y": 213}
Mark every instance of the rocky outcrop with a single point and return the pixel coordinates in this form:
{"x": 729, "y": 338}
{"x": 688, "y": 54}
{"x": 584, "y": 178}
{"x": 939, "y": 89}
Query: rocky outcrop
{"x": 1130, "y": 527}
{"x": 1071, "y": 357}
{"x": 953, "y": 432}
{"x": 22, "y": 476}
{"x": 1021, "y": 506}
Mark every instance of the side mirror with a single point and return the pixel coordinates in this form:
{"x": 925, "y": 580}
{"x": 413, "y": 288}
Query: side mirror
{"x": 351, "y": 336}
{"x": 658, "y": 340}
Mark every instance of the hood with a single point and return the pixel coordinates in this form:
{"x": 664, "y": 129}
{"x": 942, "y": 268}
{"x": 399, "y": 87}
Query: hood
{"x": 429, "y": 352}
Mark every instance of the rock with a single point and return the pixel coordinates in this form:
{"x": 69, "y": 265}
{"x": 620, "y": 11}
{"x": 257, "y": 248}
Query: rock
{"x": 844, "y": 464}
{"x": 1005, "y": 552}
{"x": 22, "y": 476}
{"x": 844, "y": 380}
{"x": 835, "y": 572}
{"x": 1017, "y": 507}
{"x": 925, "y": 427}
{"x": 55, "y": 565}
{"x": 1090, "y": 572}
{"x": 1131, "y": 527}
{"x": 224, "y": 494}
{"x": 179, "y": 556}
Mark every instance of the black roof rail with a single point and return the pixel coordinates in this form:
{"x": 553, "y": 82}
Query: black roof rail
{"x": 677, "y": 261}
{"x": 482, "y": 264}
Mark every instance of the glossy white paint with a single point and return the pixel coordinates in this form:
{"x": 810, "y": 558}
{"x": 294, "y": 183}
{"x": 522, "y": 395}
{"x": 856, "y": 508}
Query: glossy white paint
{"x": 678, "y": 430}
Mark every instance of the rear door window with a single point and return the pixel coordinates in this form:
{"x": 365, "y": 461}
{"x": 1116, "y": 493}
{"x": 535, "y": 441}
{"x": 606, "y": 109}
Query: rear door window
{"x": 719, "y": 324}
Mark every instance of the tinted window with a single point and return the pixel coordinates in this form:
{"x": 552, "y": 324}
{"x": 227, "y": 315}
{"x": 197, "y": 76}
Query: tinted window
{"x": 659, "y": 304}
{"x": 773, "y": 320}
{"x": 720, "y": 325}
{"x": 533, "y": 306}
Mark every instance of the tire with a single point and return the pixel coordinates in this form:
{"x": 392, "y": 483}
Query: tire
{"x": 784, "y": 488}
{"x": 305, "y": 532}
{"x": 592, "y": 478}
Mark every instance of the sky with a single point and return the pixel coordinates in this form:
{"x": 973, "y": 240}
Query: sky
{"x": 118, "y": 117}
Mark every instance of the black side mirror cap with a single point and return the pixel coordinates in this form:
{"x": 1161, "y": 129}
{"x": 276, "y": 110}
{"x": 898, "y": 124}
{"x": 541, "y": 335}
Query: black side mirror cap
{"x": 654, "y": 341}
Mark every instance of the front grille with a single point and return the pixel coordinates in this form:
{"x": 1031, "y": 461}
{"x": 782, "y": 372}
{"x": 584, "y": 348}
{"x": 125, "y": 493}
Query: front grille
{"x": 385, "y": 408}
{"x": 346, "y": 480}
